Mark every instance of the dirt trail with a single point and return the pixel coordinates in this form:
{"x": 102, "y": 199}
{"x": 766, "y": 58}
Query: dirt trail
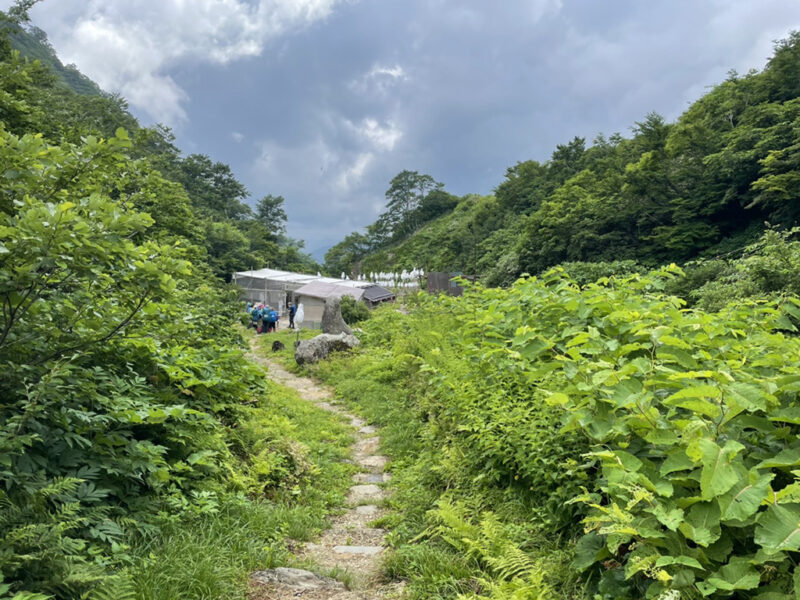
{"x": 350, "y": 545}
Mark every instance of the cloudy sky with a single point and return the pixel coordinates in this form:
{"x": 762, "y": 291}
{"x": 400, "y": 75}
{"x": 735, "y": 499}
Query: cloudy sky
{"x": 324, "y": 101}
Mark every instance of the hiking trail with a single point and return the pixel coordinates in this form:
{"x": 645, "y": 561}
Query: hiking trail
{"x": 350, "y": 545}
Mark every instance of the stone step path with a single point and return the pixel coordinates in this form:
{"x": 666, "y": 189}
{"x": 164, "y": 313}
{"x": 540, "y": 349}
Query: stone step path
{"x": 350, "y": 545}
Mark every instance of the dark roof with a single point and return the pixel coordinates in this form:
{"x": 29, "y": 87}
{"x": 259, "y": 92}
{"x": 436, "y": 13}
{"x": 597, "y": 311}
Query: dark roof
{"x": 376, "y": 293}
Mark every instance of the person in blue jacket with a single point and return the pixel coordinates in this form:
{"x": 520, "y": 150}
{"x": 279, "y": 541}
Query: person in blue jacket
{"x": 255, "y": 315}
{"x": 272, "y": 319}
{"x": 292, "y": 313}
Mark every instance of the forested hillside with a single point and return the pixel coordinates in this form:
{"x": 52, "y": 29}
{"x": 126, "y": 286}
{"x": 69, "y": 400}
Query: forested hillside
{"x": 202, "y": 198}
{"x": 702, "y": 186}
{"x": 132, "y": 427}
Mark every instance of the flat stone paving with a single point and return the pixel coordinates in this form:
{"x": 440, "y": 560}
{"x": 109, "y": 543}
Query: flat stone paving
{"x": 350, "y": 545}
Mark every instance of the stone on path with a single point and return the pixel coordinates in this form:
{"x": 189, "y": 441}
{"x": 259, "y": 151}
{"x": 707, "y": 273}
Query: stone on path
{"x": 367, "y": 509}
{"x": 369, "y": 491}
{"x": 296, "y": 578}
{"x": 364, "y": 550}
{"x": 371, "y": 477}
{"x": 374, "y": 462}
{"x": 367, "y": 445}
{"x": 369, "y": 429}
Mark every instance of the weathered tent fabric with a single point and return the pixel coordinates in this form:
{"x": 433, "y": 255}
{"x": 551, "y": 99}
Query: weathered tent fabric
{"x": 321, "y": 289}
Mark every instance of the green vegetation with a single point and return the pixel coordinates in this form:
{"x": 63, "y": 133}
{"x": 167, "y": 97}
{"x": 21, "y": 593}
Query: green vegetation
{"x": 602, "y": 431}
{"x": 141, "y": 453}
{"x": 354, "y": 311}
{"x": 552, "y": 438}
{"x": 672, "y": 192}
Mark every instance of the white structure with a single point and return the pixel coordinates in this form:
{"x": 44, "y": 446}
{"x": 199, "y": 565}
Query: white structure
{"x": 277, "y": 288}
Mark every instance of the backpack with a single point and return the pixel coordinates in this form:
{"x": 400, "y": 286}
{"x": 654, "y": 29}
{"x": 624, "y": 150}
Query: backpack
{"x": 273, "y": 316}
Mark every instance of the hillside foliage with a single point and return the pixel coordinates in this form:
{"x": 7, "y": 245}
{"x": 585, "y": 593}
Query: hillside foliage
{"x": 701, "y": 186}
{"x": 601, "y": 433}
{"x": 130, "y": 416}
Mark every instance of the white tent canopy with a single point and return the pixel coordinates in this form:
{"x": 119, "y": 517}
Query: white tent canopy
{"x": 272, "y": 286}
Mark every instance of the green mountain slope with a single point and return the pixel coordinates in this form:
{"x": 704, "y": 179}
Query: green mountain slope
{"x": 701, "y": 186}
{"x": 32, "y": 43}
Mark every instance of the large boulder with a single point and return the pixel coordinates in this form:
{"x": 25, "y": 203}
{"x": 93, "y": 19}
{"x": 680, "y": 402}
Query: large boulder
{"x": 332, "y": 321}
{"x": 317, "y": 348}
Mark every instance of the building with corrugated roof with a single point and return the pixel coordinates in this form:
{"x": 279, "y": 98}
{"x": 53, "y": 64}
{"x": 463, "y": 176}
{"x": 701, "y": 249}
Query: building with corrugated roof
{"x": 278, "y": 288}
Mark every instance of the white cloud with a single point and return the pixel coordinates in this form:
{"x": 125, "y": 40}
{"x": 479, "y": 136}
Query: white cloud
{"x": 380, "y": 79}
{"x": 129, "y": 47}
{"x": 237, "y": 137}
{"x": 382, "y": 137}
{"x": 395, "y": 72}
{"x": 352, "y": 175}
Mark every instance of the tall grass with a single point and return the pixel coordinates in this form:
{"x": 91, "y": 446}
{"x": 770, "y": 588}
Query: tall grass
{"x": 210, "y": 556}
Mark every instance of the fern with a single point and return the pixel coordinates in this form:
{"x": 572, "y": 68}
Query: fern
{"x": 512, "y": 573}
{"x": 118, "y": 587}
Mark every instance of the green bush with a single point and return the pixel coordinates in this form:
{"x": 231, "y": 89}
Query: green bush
{"x": 353, "y": 311}
{"x": 127, "y": 403}
{"x": 667, "y": 437}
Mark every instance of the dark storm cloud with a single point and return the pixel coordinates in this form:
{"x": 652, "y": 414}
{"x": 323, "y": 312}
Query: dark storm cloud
{"x": 325, "y": 109}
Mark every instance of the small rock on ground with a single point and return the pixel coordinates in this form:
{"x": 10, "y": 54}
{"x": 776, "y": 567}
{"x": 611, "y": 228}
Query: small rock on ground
{"x": 298, "y": 579}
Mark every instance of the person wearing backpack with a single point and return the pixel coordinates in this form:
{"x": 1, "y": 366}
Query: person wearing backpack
{"x": 292, "y": 312}
{"x": 272, "y": 319}
{"x": 255, "y": 315}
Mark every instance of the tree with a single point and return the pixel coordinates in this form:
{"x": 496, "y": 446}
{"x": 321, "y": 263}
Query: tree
{"x": 405, "y": 195}
{"x": 213, "y": 188}
{"x": 342, "y": 257}
{"x": 271, "y": 214}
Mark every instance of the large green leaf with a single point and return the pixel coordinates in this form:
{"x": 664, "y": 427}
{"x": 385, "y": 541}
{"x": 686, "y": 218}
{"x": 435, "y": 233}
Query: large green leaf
{"x": 589, "y": 549}
{"x": 785, "y": 458}
{"x": 743, "y": 500}
{"x": 778, "y": 528}
{"x": 702, "y": 524}
{"x": 738, "y": 574}
{"x": 718, "y": 474}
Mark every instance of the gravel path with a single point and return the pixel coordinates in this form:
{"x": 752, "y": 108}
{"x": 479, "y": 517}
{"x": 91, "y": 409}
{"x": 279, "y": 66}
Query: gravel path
{"x": 350, "y": 545}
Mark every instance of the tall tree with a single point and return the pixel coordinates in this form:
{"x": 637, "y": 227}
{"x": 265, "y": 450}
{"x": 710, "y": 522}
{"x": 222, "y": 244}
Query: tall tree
{"x": 405, "y": 195}
{"x": 213, "y": 187}
{"x": 271, "y": 213}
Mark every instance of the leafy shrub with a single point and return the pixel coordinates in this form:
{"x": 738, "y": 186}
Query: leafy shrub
{"x": 589, "y": 272}
{"x": 353, "y": 311}
{"x": 122, "y": 373}
{"x": 768, "y": 267}
{"x": 681, "y": 426}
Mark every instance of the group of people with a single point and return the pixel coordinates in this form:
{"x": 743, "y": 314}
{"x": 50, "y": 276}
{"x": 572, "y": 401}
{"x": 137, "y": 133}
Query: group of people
{"x": 264, "y": 318}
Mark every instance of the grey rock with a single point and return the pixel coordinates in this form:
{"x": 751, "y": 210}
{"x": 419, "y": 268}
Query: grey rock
{"x": 296, "y": 578}
{"x": 374, "y": 462}
{"x": 369, "y": 477}
{"x": 318, "y": 348}
{"x": 369, "y": 492}
{"x": 367, "y": 550}
{"x": 332, "y": 321}
{"x": 366, "y": 509}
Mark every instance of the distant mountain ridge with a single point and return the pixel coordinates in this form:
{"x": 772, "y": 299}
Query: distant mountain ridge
{"x": 33, "y": 43}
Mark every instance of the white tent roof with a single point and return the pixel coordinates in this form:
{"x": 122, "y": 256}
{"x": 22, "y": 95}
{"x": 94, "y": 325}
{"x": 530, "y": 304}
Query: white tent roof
{"x": 299, "y": 278}
{"x": 323, "y": 289}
